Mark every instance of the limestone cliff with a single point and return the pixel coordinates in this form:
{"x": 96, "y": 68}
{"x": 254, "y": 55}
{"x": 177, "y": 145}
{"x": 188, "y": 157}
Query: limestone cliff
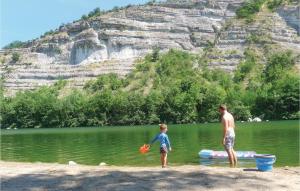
{"x": 111, "y": 43}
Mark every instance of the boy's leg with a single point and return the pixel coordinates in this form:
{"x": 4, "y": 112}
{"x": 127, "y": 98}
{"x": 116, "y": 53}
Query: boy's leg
{"x": 163, "y": 158}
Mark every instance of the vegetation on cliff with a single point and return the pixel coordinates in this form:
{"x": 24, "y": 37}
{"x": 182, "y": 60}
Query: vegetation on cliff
{"x": 15, "y": 44}
{"x": 251, "y": 7}
{"x": 174, "y": 87}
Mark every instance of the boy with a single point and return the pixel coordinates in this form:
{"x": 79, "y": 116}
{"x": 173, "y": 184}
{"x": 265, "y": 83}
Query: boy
{"x": 164, "y": 144}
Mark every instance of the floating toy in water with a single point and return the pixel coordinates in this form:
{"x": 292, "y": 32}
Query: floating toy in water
{"x": 144, "y": 149}
{"x": 210, "y": 154}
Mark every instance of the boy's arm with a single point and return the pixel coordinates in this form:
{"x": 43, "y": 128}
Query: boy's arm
{"x": 155, "y": 138}
{"x": 168, "y": 143}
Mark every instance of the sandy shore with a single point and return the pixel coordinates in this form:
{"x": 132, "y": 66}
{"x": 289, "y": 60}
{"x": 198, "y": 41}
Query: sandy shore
{"x": 40, "y": 176}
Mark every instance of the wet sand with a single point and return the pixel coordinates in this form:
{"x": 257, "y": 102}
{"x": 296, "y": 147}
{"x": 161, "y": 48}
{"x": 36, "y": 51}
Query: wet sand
{"x": 17, "y": 176}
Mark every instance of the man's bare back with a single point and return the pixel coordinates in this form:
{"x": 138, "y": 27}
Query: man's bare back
{"x": 228, "y": 120}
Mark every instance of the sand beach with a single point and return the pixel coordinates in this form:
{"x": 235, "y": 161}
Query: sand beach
{"x": 43, "y": 176}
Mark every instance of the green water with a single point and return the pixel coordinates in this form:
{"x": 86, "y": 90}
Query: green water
{"x": 119, "y": 145}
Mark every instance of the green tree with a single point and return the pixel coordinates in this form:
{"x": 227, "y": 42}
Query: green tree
{"x": 279, "y": 95}
{"x": 213, "y": 96}
{"x": 278, "y": 64}
{"x": 153, "y": 102}
{"x": 72, "y": 110}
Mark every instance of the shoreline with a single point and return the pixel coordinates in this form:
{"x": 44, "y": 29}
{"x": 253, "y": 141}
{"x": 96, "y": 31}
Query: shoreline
{"x": 54, "y": 176}
{"x": 172, "y": 165}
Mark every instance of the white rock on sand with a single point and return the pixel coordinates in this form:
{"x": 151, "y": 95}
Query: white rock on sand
{"x": 38, "y": 177}
{"x": 72, "y": 163}
{"x": 102, "y": 164}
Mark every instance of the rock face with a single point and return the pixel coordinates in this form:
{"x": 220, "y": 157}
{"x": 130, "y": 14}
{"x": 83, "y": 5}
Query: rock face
{"x": 291, "y": 14}
{"x": 112, "y": 42}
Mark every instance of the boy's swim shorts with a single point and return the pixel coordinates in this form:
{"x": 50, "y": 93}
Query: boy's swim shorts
{"x": 163, "y": 150}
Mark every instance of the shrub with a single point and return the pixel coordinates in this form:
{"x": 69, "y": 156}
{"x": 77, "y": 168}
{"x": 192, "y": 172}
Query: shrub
{"x": 51, "y": 32}
{"x": 249, "y": 8}
{"x": 273, "y": 4}
{"x": 151, "y": 2}
{"x": 96, "y": 12}
{"x": 155, "y": 54}
{"x": 3, "y": 60}
{"x": 115, "y": 8}
{"x": 15, "y": 57}
{"x": 245, "y": 67}
{"x": 15, "y": 44}
{"x": 84, "y": 17}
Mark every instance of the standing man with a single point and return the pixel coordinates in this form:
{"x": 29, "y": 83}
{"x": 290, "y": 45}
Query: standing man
{"x": 228, "y": 134}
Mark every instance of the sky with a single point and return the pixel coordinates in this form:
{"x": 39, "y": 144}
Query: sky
{"x": 28, "y": 19}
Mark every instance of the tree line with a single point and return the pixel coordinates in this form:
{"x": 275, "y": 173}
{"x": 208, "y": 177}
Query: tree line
{"x": 173, "y": 87}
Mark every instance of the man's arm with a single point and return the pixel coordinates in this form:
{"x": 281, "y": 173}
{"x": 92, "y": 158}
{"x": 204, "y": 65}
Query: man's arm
{"x": 225, "y": 126}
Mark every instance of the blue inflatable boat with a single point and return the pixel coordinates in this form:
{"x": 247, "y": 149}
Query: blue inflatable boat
{"x": 210, "y": 154}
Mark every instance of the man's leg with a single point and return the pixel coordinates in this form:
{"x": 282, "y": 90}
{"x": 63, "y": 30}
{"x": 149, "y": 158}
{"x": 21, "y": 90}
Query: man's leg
{"x": 233, "y": 152}
{"x": 228, "y": 147}
{"x": 230, "y": 156}
{"x": 234, "y": 157}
